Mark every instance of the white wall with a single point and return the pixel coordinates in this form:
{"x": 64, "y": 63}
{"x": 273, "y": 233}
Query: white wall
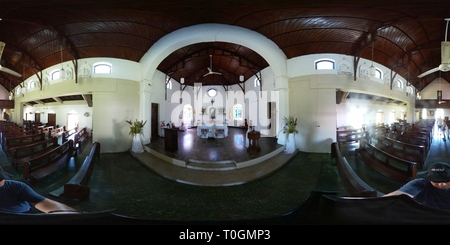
{"x": 118, "y": 97}
{"x": 114, "y": 101}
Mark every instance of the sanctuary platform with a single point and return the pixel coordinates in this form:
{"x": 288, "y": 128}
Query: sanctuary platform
{"x": 212, "y": 161}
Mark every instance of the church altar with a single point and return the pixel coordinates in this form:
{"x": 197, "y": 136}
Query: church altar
{"x": 213, "y": 131}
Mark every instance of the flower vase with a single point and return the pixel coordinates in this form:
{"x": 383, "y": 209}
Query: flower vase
{"x": 290, "y": 144}
{"x": 136, "y": 145}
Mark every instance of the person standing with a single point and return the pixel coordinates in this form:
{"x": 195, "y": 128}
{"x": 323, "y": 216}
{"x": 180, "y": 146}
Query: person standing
{"x": 440, "y": 123}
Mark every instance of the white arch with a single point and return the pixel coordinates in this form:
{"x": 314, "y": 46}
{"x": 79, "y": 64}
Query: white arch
{"x": 213, "y": 33}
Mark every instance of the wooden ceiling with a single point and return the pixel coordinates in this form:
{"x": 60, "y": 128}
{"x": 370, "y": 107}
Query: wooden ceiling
{"x": 408, "y": 34}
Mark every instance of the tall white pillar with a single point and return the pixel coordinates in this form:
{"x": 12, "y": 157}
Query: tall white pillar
{"x": 281, "y": 86}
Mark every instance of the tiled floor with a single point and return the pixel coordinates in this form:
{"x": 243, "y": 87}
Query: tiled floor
{"x": 233, "y": 147}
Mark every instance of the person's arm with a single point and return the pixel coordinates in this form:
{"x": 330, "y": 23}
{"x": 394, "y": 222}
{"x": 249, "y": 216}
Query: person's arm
{"x": 50, "y": 206}
{"x": 397, "y": 192}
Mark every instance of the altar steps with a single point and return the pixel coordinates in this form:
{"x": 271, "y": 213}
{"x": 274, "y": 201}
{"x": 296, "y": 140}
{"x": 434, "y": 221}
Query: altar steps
{"x": 224, "y": 165}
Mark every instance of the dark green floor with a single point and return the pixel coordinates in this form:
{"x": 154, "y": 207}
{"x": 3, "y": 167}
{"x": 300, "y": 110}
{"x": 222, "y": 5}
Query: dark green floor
{"x": 122, "y": 184}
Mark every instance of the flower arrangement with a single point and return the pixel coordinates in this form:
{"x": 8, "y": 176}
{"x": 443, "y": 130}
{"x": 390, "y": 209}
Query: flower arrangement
{"x": 136, "y": 127}
{"x": 290, "y": 125}
{"x": 203, "y": 111}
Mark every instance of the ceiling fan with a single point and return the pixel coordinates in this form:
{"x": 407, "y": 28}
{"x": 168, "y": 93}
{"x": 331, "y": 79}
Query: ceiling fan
{"x": 210, "y": 72}
{"x": 445, "y": 56}
{"x": 4, "y": 69}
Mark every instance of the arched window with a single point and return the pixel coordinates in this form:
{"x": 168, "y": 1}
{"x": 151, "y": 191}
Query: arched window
{"x": 378, "y": 73}
{"x": 187, "y": 114}
{"x": 55, "y": 75}
{"x": 399, "y": 84}
{"x": 72, "y": 120}
{"x": 103, "y": 68}
{"x": 169, "y": 84}
{"x": 237, "y": 112}
{"x": 32, "y": 85}
{"x": 392, "y": 117}
{"x": 324, "y": 64}
{"x": 379, "y": 118}
{"x": 256, "y": 83}
{"x": 410, "y": 90}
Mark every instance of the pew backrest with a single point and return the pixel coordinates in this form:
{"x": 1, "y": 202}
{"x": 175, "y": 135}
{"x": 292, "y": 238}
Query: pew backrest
{"x": 25, "y": 153}
{"x": 48, "y": 163}
{"x": 391, "y": 166}
{"x": 78, "y": 186}
{"x": 354, "y": 186}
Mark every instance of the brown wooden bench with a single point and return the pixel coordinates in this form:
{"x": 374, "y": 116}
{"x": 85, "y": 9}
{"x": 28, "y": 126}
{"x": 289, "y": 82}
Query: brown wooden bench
{"x": 354, "y": 186}
{"x": 416, "y": 140}
{"x": 15, "y": 132}
{"x": 79, "y": 136}
{"x": 78, "y": 186}
{"x": 26, "y": 153}
{"x": 48, "y": 163}
{"x": 47, "y": 130}
{"x": 14, "y": 140}
{"x": 391, "y": 166}
{"x": 350, "y": 136}
{"x": 56, "y": 132}
{"x": 418, "y": 134}
{"x": 405, "y": 150}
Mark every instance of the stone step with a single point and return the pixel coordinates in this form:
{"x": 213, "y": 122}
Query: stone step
{"x": 224, "y": 165}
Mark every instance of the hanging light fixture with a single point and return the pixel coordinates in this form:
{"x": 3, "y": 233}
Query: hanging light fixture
{"x": 439, "y": 92}
{"x": 439, "y": 96}
{"x": 10, "y": 97}
{"x": 372, "y": 70}
{"x": 62, "y": 72}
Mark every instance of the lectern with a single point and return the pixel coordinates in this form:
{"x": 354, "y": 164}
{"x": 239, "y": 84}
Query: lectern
{"x": 253, "y": 138}
{"x": 171, "y": 139}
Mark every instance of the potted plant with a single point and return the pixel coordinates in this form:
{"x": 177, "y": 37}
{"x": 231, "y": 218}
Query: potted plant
{"x": 136, "y": 130}
{"x": 290, "y": 125}
{"x": 136, "y": 127}
{"x": 289, "y": 129}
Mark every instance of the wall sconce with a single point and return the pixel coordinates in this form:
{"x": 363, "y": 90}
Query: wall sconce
{"x": 182, "y": 80}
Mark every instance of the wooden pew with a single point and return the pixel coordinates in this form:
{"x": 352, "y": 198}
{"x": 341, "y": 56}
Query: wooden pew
{"x": 48, "y": 163}
{"x": 21, "y": 154}
{"x": 56, "y": 132}
{"x": 427, "y": 135}
{"x": 405, "y": 150}
{"x": 416, "y": 140}
{"x": 393, "y": 167}
{"x": 352, "y": 183}
{"x": 47, "y": 130}
{"x": 79, "y": 136}
{"x": 13, "y": 141}
{"x": 14, "y": 132}
{"x": 78, "y": 187}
